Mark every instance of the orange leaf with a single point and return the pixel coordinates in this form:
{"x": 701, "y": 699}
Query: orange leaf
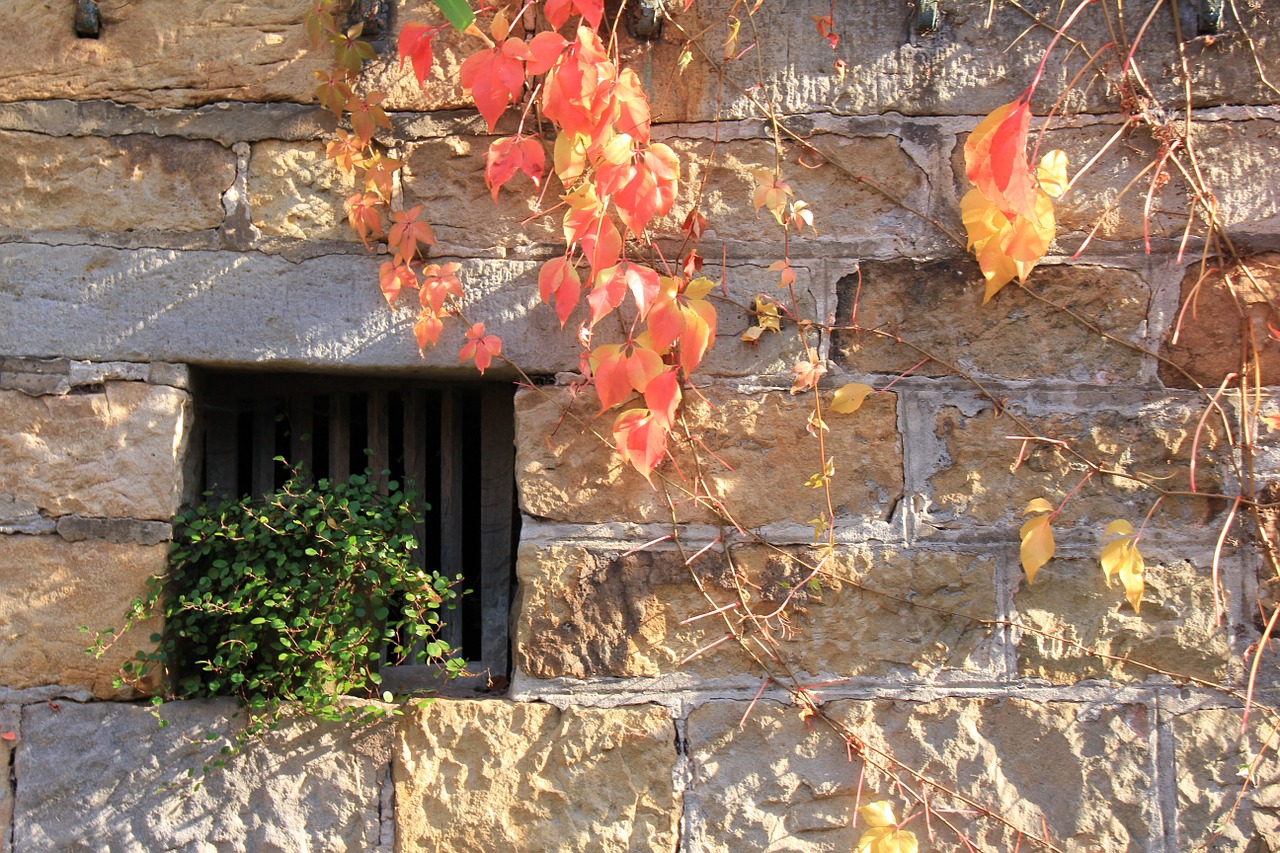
{"x": 662, "y": 396}
{"x": 481, "y": 347}
{"x": 438, "y": 284}
{"x": 641, "y": 440}
{"x": 427, "y": 330}
{"x": 618, "y": 369}
{"x": 392, "y": 277}
{"x": 415, "y": 45}
{"x": 510, "y": 155}
{"x": 559, "y": 280}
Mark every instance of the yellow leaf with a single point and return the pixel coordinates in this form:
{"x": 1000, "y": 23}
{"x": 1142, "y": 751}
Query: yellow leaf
{"x": 1131, "y": 575}
{"x": 1052, "y": 173}
{"x": 1037, "y": 545}
{"x": 886, "y": 839}
{"x": 1121, "y": 557}
{"x": 849, "y": 398}
{"x": 1038, "y": 505}
{"x": 767, "y": 315}
{"x": 1119, "y": 526}
{"x": 878, "y": 814}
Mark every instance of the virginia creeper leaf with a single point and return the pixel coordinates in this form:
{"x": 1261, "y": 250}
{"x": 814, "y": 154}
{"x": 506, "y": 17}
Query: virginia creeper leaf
{"x": 1037, "y": 538}
{"x": 481, "y": 347}
{"x": 456, "y": 12}
{"x": 849, "y": 398}
{"x": 415, "y": 46}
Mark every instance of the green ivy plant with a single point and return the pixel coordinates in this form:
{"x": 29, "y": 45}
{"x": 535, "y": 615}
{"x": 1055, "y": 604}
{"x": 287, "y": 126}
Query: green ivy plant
{"x": 292, "y": 600}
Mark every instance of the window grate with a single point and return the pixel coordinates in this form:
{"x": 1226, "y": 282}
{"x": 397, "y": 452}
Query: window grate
{"x": 455, "y": 443}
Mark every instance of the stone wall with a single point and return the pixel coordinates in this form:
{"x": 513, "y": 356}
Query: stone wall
{"x": 165, "y": 204}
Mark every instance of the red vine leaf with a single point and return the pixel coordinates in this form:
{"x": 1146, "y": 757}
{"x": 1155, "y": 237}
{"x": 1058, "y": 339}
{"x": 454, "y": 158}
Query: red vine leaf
{"x": 641, "y": 440}
{"x": 510, "y": 155}
{"x": 558, "y": 11}
{"x": 619, "y": 369}
{"x": 481, "y": 347}
{"x": 415, "y": 45}
{"x": 559, "y": 280}
{"x": 395, "y": 276}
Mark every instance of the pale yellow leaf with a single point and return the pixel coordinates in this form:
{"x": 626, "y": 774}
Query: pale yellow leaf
{"x": 849, "y": 398}
{"x": 752, "y": 334}
{"x": 1038, "y": 505}
{"x": 1112, "y": 558}
{"x": 1052, "y": 173}
{"x": 1037, "y": 545}
{"x": 878, "y": 814}
{"x": 1119, "y": 526}
{"x": 1132, "y": 572}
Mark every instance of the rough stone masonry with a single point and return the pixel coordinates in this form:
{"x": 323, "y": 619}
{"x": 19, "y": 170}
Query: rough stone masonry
{"x": 165, "y": 206}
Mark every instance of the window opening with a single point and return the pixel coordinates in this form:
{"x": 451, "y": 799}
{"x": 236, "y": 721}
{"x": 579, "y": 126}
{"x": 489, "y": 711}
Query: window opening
{"x": 454, "y": 442}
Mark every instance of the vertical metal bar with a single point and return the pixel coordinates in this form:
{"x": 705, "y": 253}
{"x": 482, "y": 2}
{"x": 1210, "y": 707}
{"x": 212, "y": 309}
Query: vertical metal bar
{"x": 378, "y": 420}
{"x": 264, "y": 448}
{"x": 301, "y": 427}
{"x": 497, "y": 485}
{"x": 339, "y": 437}
{"x": 451, "y": 504}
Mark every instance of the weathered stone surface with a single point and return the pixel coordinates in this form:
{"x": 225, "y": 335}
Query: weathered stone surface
{"x": 184, "y": 53}
{"x": 565, "y": 473}
{"x": 1070, "y": 604}
{"x": 976, "y": 484}
{"x": 119, "y": 183}
{"x": 75, "y": 528}
{"x": 1210, "y": 752}
{"x": 20, "y": 517}
{"x": 48, "y": 589}
{"x": 965, "y": 68}
{"x": 1210, "y": 333}
{"x": 774, "y": 782}
{"x": 500, "y": 776}
{"x": 585, "y": 612}
{"x": 114, "y": 452}
{"x": 937, "y": 306}
{"x": 9, "y": 717}
{"x": 91, "y": 777}
{"x": 294, "y": 191}
{"x": 1230, "y": 156}
{"x": 233, "y": 308}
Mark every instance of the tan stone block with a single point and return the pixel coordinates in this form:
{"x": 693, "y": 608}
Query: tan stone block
{"x": 116, "y": 183}
{"x": 294, "y": 191}
{"x": 1070, "y": 606}
{"x": 773, "y": 780}
{"x": 586, "y": 613}
{"x": 162, "y": 53}
{"x": 937, "y": 306}
{"x": 981, "y": 484}
{"x": 1210, "y": 752}
{"x": 1210, "y": 334}
{"x": 566, "y": 473}
{"x": 447, "y": 175}
{"x": 117, "y": 452}
{"x": 49, "y": 589}
{"x": 501, "y": 776}
{"x": 845, "y": 211}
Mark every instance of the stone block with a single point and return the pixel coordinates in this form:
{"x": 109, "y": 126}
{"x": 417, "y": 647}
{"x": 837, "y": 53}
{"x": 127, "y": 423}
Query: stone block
{"x": 114, "y": 452}
{"x": 746, "y": 437}
{"x": 937, "y": 306}
{"x": 769, "y": 779}
{"x": 967, "y": 67}
{"x": 584, "y": 612}
{"x": 294, "y": 191}
{"x": 20, "y": 517}
{"x": 979, "y": 483}
{"x": 1229, "y": 156}
{"x": 75, "y": 528}
{"x": 105, "y": 776}
{"x": 1069, "y": 608}
{"x": 118, "y": 183}
{"x": 1210, "y": 752}
{"x": 49, "y": 588}
{"x": 232, "y": 308}
{"x": 195, "y": 52}
{"x": 1210, "y": 330}
{"x": 501, "y": 776}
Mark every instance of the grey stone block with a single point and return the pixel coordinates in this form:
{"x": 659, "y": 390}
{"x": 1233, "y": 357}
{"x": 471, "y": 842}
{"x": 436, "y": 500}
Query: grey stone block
{"x": 75, "y": 528}
{"x": 105, "y": 776}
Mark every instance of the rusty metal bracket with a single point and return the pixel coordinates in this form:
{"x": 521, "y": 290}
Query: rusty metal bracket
{"x": 646, "y": 19}
{"x": 374, "y": 14}
{"x": 927, "y": 16}
{"x": 1209, "y": 14}
{"x": 88, "y": 22}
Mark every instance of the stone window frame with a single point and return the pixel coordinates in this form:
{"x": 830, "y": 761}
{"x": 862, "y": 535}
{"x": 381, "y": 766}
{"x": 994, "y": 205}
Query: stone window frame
{"x": 455, "y": 440}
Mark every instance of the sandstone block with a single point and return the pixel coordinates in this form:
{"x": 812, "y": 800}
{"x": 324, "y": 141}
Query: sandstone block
{"x": 1210, "y": 752}
{"x": 1070, "y": 606}
{"x": 48, "y": 589}
{"x": 1210, "y": 334}
{"x": 93, "y": 777}
{"x": 747, "y": 438}
{"x": 965, "y": 68}
{"x": 248, "y": 309}
{"x": 500, "y": 776}
{"x": 979, "y": 484}
{"x": 772, "y": 781}
{"x": 938, "y": 307}
{"x": 118, "y": 183}
{"x": 586, "y": 613}
{"x": 294, "y": 191}
{"x": 115, "y": 452}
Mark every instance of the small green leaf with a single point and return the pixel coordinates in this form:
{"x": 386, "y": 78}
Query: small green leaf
{"x": 456, "y": 12}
